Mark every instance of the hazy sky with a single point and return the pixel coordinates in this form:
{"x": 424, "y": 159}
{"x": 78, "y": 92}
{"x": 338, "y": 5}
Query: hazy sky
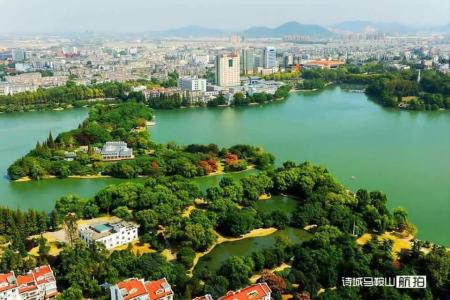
{"x": 149, "y": 15}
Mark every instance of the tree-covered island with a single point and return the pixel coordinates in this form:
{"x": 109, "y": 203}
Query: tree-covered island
{"x": 114, "y": 141}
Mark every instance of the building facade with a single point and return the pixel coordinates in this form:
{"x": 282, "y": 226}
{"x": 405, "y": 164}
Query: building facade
{"x": 18, "y": 54}
{"x": 110, "y": 234}
{"x": 247, "y": 61}
{"x": 191, "y": 84}
{"x": 228, "y": 70}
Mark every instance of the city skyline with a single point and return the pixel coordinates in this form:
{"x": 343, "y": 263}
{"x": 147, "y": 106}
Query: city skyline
{"x": 148, "y": 16}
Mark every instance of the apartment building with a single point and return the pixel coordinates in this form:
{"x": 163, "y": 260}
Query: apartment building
{"x": 37, "y": 284}
{"x": 227, "y": 70}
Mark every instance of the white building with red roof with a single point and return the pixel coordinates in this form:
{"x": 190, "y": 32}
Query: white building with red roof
{"x": 37, "y": 284}
{"x": 138, "y": 289}
{"x": 45, "y": 281}
{"x": 258, "y": 291}
{"x": 28, "y": 288}
{"x": 8, "y": 286}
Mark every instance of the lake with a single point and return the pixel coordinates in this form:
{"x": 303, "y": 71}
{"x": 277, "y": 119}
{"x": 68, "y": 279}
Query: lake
{"x": 214, "y": 259}
{"x": 403, "y": 153}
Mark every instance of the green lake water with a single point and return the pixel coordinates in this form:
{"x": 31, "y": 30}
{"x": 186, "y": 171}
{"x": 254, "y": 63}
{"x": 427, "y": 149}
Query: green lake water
{"x": 277, "y": 203}
{"x": 221, "y": 252}
{"x": 405, "y": 154}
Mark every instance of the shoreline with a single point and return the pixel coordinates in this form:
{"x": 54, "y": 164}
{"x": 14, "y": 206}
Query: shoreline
{"x": 100, "y": 176}
{"x": 47, "y": 177}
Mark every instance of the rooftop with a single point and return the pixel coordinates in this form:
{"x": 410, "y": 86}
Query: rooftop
{"x": 131, "y": 288}
{"x": 158, "y": 289}
{"x": 7, "y": 281}
{"x": 100, "y": 230}
{"x": 43, "y": 274}
{"x": 252, "y": 292}
{"x": 26, "y": 283}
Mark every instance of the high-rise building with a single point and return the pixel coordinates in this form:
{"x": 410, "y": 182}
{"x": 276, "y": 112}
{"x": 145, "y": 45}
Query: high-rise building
{"x": 247, "y": 61}
{"x": 18, "y": 54}
{"x": 270, "y": 57}
{"x": 288, "y": 60}
{"x": 228, "y": 70}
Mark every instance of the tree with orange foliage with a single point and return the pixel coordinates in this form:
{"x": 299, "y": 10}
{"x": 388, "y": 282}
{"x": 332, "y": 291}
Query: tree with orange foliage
{"x": 213, "y": 164}
{"x": 231, "y": 159}
{"x": 275, "y": 282}
{"x": 205, "y": 166}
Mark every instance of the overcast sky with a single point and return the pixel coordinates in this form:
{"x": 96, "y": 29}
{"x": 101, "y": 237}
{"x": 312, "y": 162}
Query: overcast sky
{"x": 149, "y": 15}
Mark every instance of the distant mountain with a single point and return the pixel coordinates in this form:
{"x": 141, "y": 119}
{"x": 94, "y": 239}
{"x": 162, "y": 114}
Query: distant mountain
{"x": 295, "y": 28}
{"x": 290, "y": 28}
{"x": 441, "y": 29}
{"x": 190, "y": 31}
{"x": 367, "y": 26}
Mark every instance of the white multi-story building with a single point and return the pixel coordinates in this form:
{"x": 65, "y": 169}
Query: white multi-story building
{"x": 138, "y": 289}
{"x": 228, "y": 70}
{"x": 192, "y": 84}
{"x": 110, "y": 234}
{"x": 37, "y": 284}
{"x": 116, "y": 151}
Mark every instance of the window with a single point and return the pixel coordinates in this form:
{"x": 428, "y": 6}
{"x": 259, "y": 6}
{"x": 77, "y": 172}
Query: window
{"x": 230, "y": 63}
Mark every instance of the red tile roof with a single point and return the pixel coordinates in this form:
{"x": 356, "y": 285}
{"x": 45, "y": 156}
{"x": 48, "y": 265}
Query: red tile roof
{"x": 26, "y": 283}
{"x": 132, "y": 288}
{"x": 7, "y": 281}
{"x": 158, "y": 289}
{"x": 252, "y": 292}
{"x": 43, "y": 274}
